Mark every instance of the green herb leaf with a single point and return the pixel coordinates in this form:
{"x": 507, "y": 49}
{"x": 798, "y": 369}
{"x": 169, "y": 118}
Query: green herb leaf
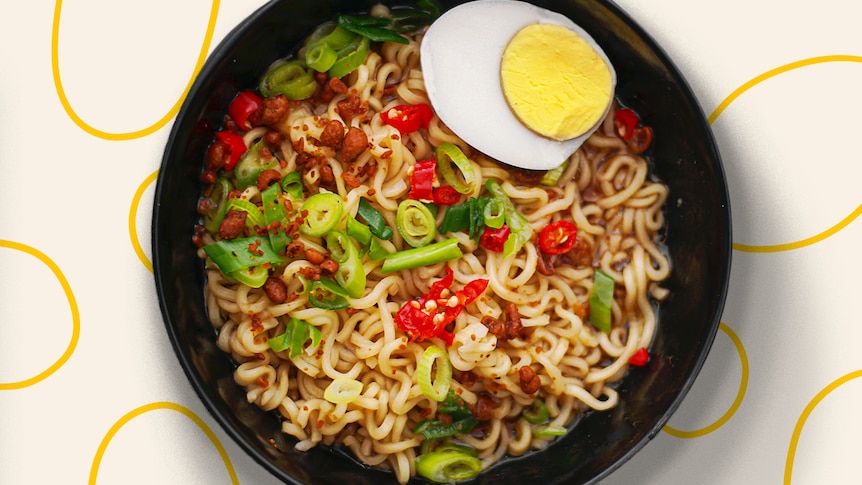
{"x": 371, "y": 28}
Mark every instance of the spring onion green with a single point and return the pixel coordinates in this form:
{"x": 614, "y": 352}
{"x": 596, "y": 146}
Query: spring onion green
{"x": 374, "y": 219}
{"x": 427, "y": 255}
{"x": 326, "y": 294}
{"x": 537, "y": 413}
{"x": 254, "y": 217}
{"x": 373, "y": 28}
{"x": 350, "y": 274}
{"x": 445, "y": 444}
{"x": 437, "y": 360}
{"x": 448, "y": 466}
{"x": 342, "y": 390}
{"x": 320, "y": 57}
{"x": 409, "y": 19}
{"x": 601, "y": 300}
{"x": 291, "y": 78}
{"x": 464, "y": 179}
{"x": 324, "y": 212}
{"x": 358, "y": 231}
{"x": 350, "y": 57}
{"x": 415, "y": 223}
{"x": 275, "y": 217}
{"x": 462, "y": 420}
{"x": 291, "y": 184}
{"x": 218, "y": 204}
{"x": 521, "y": 231}
{"x": 553, "y": 175}
{"x": 296, "y": 335}
{"x": 252, "y": 164}
{"x": 548, "y": 430}
{"x": 331, "y": 34}
{"x": 376, "y": 251}
{"x": 253, "y": 277}
{"x": 468, "y": 216}
{"x": 241, "y": 253}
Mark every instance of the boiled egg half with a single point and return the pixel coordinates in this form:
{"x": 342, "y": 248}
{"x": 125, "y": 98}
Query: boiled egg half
{"x": 522, "y": 84}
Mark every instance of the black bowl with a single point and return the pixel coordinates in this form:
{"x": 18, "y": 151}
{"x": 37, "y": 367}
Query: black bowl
{"x": 697, "y": 238}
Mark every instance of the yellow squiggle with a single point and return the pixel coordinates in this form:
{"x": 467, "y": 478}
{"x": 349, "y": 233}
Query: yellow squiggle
{"x": 797, "y": 431}
{"x": 103, "y": 446}
{"x": 61, "y": 93}
{"x": 133, "y": 226}
{"x": 73, "y": 306}
{"x": 740, "y": 394}
{"x": 773, "y": 248}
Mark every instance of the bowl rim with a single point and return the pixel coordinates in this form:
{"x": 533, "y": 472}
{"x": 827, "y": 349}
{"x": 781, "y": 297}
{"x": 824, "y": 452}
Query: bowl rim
{"x": 199, "y": 385}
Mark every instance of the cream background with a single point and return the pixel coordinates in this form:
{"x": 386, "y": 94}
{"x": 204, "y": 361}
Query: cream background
{"x": 778, "y": 399}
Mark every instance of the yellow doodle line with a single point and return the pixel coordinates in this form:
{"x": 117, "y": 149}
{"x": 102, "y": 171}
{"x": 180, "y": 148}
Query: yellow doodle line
{"x": 740, "y": 394}
{"x": 797, "y": 431}
{"x": 773, "y": 248}
{"x": 103, "y": 446}
{"x": 61, "y": 93}
{"x": 73, "y": 306}
{"x": 133, "y": 220}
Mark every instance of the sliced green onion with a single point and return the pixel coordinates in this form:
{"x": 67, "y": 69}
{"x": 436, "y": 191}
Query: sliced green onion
{"x": 326, "y": 294}
{"x": 464, "y": 180}
{"x": 371, "y": 27}
{"x": 296, "y": 334}
{"x": 425, "y": 256}
{"x": 302, "y": 333}
{"x": 522, "y": 232}
{"x": 548, "y": 430}
{"x": 292, "y": 185}
{"x": 251, "y": 165}
{"x": 493, "y": 214}
{"x": 537, "y": 413}
{"x": 331, "y": 34}
{"x": 415, "y": 223}
{"x": 477, "y": 215}
{"x": 462, "y": 420}
{"x": 218, "y": 204}
{"x": 253, "y": 277}
{"x": 236, "y": 254}
{"x": 290, "y": 78}
{"x": 435, "y": 429}
{"x": 456, "y": 219}
{"x": 320, "y": 57}
{"x": 376, "y": 251}
{"x": 324, "y": 213}
{"x": 350, "y": 57}
{"x": 448, "y": 466}
{"x": 553, "y": 175}
{"x": 410, "y": 19}
{"x": 358, "y": 231}
{"x": 449, "y": 446}
{"x": 350, "y": 274}
{"x": 342, "y": 390}
{"x": 436, "y": 359}
{"x": 273, "y": 210}
{"x": 254, "y": 218}
{"x": 374, "y": 219}
{"x": 468, "y": 216}
{"x": 601, "y": 300}
{"x": 429, "y": 445}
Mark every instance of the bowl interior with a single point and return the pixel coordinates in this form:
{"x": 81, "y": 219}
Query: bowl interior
{"x": 697, "y": 237}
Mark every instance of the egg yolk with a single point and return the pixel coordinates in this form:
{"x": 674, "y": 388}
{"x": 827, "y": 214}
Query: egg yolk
{"x": 555, "y": 82}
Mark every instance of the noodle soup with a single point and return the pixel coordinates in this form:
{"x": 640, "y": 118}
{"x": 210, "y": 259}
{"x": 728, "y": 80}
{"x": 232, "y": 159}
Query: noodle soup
{"x": 432, "y": 318}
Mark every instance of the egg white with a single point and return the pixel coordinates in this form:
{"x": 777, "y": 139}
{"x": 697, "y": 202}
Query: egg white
{"x": 461, "y": 55}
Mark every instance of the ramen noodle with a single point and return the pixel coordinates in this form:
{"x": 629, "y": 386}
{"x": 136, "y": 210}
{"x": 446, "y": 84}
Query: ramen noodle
{"x": 523, "y": 347}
